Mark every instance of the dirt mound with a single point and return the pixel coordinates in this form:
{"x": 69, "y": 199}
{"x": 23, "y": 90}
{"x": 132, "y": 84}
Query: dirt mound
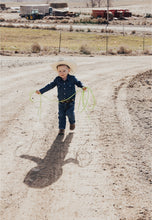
{"x": 140, "y": 101}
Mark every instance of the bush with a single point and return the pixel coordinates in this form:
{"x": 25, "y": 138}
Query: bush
{"x": 106, "y": 31}
{"x": 53, "y": 28}
{"x": 111, "y": 52}
{"x": 133, "y": 32}
{"x": 101, "y": 21}
{"x": 146, "y": 52}
{"x": 64, "y": 21}
{"x": 84, "y": 49}
{"x": 35, "y": 48}
{"x": 71, "y": 28}
{"x": 123, "y": 50}
{"x": 148, "y": 15}
{"x": 2, "y": 19}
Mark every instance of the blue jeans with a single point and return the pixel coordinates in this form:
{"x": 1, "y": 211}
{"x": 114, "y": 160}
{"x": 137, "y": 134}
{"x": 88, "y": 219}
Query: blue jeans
{"x": 66, "y": 109}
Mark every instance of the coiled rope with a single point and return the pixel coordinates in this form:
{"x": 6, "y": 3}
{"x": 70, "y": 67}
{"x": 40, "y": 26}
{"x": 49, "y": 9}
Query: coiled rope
{"x": 87, "y": 101}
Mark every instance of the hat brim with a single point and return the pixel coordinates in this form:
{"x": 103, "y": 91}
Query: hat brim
{"x": 72, "y": 65}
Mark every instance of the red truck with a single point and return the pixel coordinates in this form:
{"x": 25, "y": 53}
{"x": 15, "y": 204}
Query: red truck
{"x": 112, "y": 13}
{"x": 121, "y": 13}
{"x": 101, "y": 14}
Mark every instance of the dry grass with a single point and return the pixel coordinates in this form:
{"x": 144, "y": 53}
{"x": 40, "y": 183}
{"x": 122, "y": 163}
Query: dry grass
{"x": 21, "y": 39}
{"x": 89, "y": 20}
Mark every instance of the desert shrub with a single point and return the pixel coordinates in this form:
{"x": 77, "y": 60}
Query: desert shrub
{"x": 71, "y": 28}
{"x": 79, "y": 30}
{"x": 101, "y": 21}
{"x": 136, "y": 15}
{"x": 110, "y": 31}
{"x": 133, "y": 32}
{"x": 46, "y": 48}
{"x": 76, "y": 20}
{"x": 2, "y": 19}
{"x": 102, "y": 30}
{"x": 94, "y": 21}
{"x": 64, "y": 21}
{"x": 106, "y": 30}
{"x": 53, "y": 28}
{"x": 144, "y": 23}
{"x": 111, "y": 52}
{"x": 26, "y": 26}
{"x": 10, "y": 25}
{"x": 84, "y": 49}
{"x": 35, "y": 48}
{"x": 123, "y": 50}
{"x": 85, "y": 20}
{"x": 146, "y": 52}
{"x": 148, "y": 15}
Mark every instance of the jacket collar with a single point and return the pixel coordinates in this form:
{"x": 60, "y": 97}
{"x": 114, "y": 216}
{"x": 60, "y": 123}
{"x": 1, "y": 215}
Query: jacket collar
{"x": 68, "y": 78}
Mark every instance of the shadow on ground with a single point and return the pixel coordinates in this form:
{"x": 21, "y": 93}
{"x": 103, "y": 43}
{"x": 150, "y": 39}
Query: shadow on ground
{"x": 49, "y": 169}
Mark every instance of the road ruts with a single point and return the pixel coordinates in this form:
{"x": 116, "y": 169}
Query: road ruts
{"x": 93, "y": 172}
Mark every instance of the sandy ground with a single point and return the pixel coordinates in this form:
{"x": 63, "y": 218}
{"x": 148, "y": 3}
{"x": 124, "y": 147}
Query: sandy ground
{"x": 101, "y": 170}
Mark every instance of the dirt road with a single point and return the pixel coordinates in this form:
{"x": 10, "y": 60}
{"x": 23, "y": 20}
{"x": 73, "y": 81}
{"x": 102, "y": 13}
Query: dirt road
{"x": 116, "y": 28}
{"x": 102, "y": 170}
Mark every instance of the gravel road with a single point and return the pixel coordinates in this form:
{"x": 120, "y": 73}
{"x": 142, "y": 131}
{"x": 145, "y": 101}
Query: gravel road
{"x": 117, "y": 28}
{"x": 101, "y": 170}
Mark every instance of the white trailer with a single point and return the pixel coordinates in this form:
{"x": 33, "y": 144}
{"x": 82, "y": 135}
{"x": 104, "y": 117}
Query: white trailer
{"x": 34, "y": 11}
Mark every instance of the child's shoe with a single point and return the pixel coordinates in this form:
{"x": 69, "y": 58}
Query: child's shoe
{"x": 61, "y": 132}
{"x": 72, "y": 126}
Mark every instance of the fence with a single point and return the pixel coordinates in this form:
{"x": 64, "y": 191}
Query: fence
{"x": 76, "y": 41}
{"x": 111, "y": 44}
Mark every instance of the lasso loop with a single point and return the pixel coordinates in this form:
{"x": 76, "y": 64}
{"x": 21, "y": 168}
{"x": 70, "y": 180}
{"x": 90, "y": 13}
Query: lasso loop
{"x": 87, "y": 101}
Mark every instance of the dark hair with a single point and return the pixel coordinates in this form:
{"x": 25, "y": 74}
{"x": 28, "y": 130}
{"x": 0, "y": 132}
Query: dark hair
{"x": 63, "y": 65}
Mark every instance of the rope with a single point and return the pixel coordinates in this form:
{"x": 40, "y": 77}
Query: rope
{"x": 87, "y": 100}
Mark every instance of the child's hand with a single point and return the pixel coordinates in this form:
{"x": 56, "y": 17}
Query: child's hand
{"x": 37, "y": 92}
{"x": 84, "y": 88}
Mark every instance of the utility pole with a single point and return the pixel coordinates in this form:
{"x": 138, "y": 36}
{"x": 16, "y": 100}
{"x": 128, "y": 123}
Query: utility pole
{"x": 108, "y": 11}
{"x": 60, "y": 42}
{"x": 107, "y": 27}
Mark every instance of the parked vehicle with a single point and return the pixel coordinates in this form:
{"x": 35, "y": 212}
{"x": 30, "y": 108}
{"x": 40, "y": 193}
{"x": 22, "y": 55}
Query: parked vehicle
{"x": 121, "y": 13}
{"x": 101, "y": 14}
{"x": 33, "y": 12}
{"x": 112, "y": 13}
{"x": 2, "y": 6}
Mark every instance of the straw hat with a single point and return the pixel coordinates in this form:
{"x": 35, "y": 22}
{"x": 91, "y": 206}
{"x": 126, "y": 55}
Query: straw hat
{"x": 72, "y": 65}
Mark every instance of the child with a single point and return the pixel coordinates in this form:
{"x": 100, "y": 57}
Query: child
{"x": 66, "y": 92}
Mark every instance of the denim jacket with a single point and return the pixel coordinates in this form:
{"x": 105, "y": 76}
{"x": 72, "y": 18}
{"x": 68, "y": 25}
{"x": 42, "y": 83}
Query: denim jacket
{"x": 65, "y": 88}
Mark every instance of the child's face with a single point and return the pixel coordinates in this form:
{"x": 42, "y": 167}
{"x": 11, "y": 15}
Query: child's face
{"x": 63, "y": 71}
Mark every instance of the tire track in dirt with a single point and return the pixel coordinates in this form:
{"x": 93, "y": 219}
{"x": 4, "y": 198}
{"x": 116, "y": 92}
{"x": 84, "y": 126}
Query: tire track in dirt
{"x": 26, "y": 138}
{"x": 135, "y": 157}
{"x": 99, "y": 177}
{"x": 24, "y": 133}
{"x": 16, "y": 90}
